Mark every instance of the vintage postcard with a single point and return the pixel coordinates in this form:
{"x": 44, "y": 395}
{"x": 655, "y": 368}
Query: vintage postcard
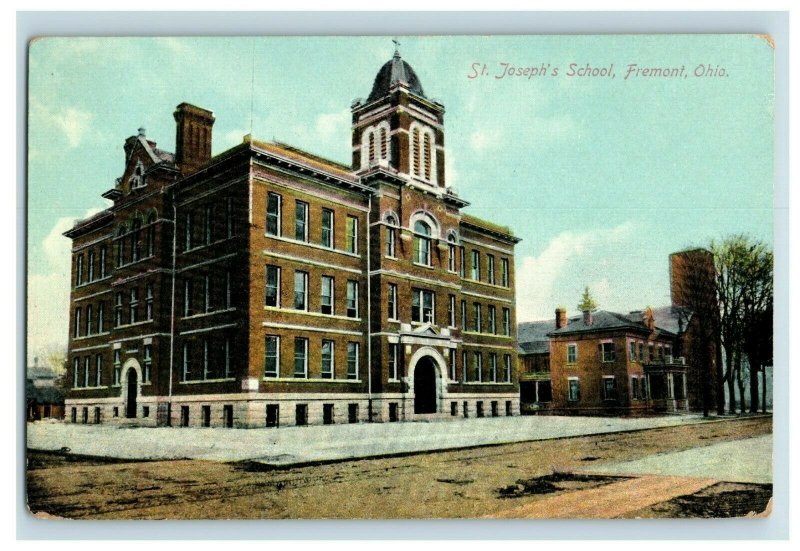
{"x": 400, "y": 277}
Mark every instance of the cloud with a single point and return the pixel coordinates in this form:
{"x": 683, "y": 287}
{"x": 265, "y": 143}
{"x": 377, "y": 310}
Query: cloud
{"x": 49, "y": 290}
{"x": 330, "y": 125}
{"x": 571, "y": 261}
{"x": 73, "y": 123}
{"x": 485, "y": 139}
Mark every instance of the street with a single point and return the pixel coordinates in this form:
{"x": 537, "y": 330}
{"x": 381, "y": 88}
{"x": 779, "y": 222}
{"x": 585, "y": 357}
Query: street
{"x": 597, "y": 476}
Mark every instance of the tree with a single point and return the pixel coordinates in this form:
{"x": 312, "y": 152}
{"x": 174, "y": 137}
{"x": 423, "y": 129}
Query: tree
{"x": 744, "y": 292}
{"x": 587, "y": 302}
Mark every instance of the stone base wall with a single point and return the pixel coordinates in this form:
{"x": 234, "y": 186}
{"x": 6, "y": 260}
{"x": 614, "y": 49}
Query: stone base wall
{"x": 250, "y": 410}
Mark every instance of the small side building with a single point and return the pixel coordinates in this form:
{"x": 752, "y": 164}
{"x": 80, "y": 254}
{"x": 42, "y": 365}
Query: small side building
{"x": 44, "y": 398}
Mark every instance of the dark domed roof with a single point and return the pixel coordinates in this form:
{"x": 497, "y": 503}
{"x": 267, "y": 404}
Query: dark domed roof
{"x": 395, "y": 70}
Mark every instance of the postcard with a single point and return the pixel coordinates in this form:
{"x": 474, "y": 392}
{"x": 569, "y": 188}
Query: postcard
{"x": 523, "y": 277}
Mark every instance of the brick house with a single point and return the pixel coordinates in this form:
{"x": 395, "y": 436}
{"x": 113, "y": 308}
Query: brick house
{"x": 268, "y": 286}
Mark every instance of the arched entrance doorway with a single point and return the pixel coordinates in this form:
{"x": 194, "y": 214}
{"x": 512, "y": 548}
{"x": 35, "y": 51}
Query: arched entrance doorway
{"x": 425, "y": 379}
{"x": 130, "y": 402}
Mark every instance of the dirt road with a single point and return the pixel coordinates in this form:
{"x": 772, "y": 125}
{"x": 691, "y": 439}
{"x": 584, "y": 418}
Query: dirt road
{"x": 480, "y": 482}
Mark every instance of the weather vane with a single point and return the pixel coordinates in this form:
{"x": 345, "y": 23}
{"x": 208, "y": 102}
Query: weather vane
{"x": 396, "y": 46}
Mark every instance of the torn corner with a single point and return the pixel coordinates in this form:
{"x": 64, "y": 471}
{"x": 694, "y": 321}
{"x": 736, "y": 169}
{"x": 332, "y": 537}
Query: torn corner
{"x": 767, "y": 38}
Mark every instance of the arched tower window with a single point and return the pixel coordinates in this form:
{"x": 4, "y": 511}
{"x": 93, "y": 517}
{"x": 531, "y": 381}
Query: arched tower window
{"x": 391, "y": 236}
{"x": 415, "y": 152}
{"x": 371, "y": 147}
{"x": 427, "y": 152}
{"x": 451, "y": 252}
{"x": 422, "y": 152}
{"x": 384, "y": 144}
{"x": 422, "y": 243}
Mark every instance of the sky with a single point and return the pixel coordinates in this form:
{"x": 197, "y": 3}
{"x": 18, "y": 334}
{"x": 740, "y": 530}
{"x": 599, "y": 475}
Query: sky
{"x": 601, "y": 177}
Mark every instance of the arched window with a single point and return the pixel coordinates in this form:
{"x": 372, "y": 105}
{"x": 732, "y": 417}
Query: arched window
{"x": 391, "y": 236}
{"x": 422, "y": 243}
{"x": 384, "y": 145}
{"x": 451, "y": 250}
{"x": 371, "y": 146}
{"x": 135, "y": 241}
{"x": 151, "y": 234}
{"x": 120, "y": 244}
{"x": 427, "y": 153}
{"x": 415, "y": 152}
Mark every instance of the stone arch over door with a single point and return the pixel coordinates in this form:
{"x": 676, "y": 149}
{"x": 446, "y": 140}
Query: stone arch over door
{"x": 131, "y": 387}
{"x": 428, "y": 358}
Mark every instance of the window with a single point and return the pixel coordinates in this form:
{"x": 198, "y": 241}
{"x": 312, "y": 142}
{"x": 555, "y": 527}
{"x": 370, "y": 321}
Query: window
{"x": 422, "y": 243}
{"x": 462, "y": 262}
{"x": 187, "y": 298}
{"x": 572, "y": 353}
{"x": 574, "y": 389}
{"x": 227, "y": 353}
{"x": 352, "y": 299}
{"x": 117, "y": 366}
{"x": 651, "y": 352}
{"x": 148, "y": 302}
{"x": 301, "y": 415}
{"x": 271, "y": 355}
{"x": 133, "y": 305}
{"x": 205, "y": 359}
{"x": 464, "y": 315}
{"x": 634, "y": 388}
{"x": 352, "y": 234}
{"x": 391, "y": 237}
{"x": 352, "y": 413}
{"x": 451, "y": 253}
{"x": 507, "y": 367}
{"x": 326, "y": 296}
{"x": 150, "y": 243}
{"x": 187, "y": 361}
{"x": 100, "y": 320}
{"x": 464, "y": 366}
{"x": 273, "y": 415}
{"x": 120, "y": 246}
{"x": 506, "y": 322}
{"x": 327, "y": 228}
{"x": 187, "y": 238}
{"x": 493, "y": 367}
{"x": 76, "y": 366}
{"x": 79, "y": 270}
{"x": 272, "y": 287}
{"x": 273, "y": 214}
{"x": 453, "y": 366}
{"x": 98, "y": 370}
{"x": 118, "y": 310}
{"x": 301, "y": 358}
{"x": 208, "y": 221}
{"x": 668, "y": 351}
{"x": 103, "y": 261}
{"x": 327, "y": 414}
{"x": 608, "y": 352}
{"x": 91, "y": 265}
{"x": 392, "y": 301}
{"x": 476, "y": 317}
{"x": 228, "y": 294}
{"x": 89, "y": 320}
{"x": 393, "y": 361}
{"x": 77, "y": 327}
{"x": 87, "y": 363}
{"x": 415, "y": 151}
{"x": 504, "y": 272}
{"x": 490, "y": 268}
{"x": 327, "y": 369}
{"x": 477, "y": 364}
{"x": 147, "y": 362}
{"x": 451, "y": 311}
{"x": 661, "y": 352}
{"x": 301, "y": 221}
{"x": 641, "y": 351}
{"x": 492, "y": 319}
{"x": 422, "y": 306}
{"x": 300, "y": 290}
{"x": 229, "y": 217}
{"x": 135, "y": 241}
{"x": 352, "y": 360}
{"x": 632, "y": 350}
{"x": 609, "y": 388}
{"x": 476, "y": 266}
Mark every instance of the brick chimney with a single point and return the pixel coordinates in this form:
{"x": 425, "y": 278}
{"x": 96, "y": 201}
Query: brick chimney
{"x": 561, "y": 318}
{"x": 587, "y": 317}
{"x": 193, "y": 136}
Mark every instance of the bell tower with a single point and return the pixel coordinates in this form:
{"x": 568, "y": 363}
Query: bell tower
{"x": 398, "y": 129}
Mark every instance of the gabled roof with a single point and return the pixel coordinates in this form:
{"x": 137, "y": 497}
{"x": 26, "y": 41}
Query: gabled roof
{"x": 532, "y": 336}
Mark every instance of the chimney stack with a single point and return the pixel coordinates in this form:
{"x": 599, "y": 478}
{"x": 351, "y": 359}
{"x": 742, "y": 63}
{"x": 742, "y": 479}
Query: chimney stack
{"x": 192, "y": 136}
{"x": 587, "y": 317}
{"x": 561, "y": 318}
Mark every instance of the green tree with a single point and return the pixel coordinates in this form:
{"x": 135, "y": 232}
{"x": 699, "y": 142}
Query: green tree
{"x": 587, "y": 302}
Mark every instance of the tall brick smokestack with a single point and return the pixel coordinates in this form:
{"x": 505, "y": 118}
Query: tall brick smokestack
{"x": 192, "y": 136}
{"x": 561, "y": 318}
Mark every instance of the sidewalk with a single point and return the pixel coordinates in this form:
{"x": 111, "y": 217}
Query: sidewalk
{"x": 300, "y": 445}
